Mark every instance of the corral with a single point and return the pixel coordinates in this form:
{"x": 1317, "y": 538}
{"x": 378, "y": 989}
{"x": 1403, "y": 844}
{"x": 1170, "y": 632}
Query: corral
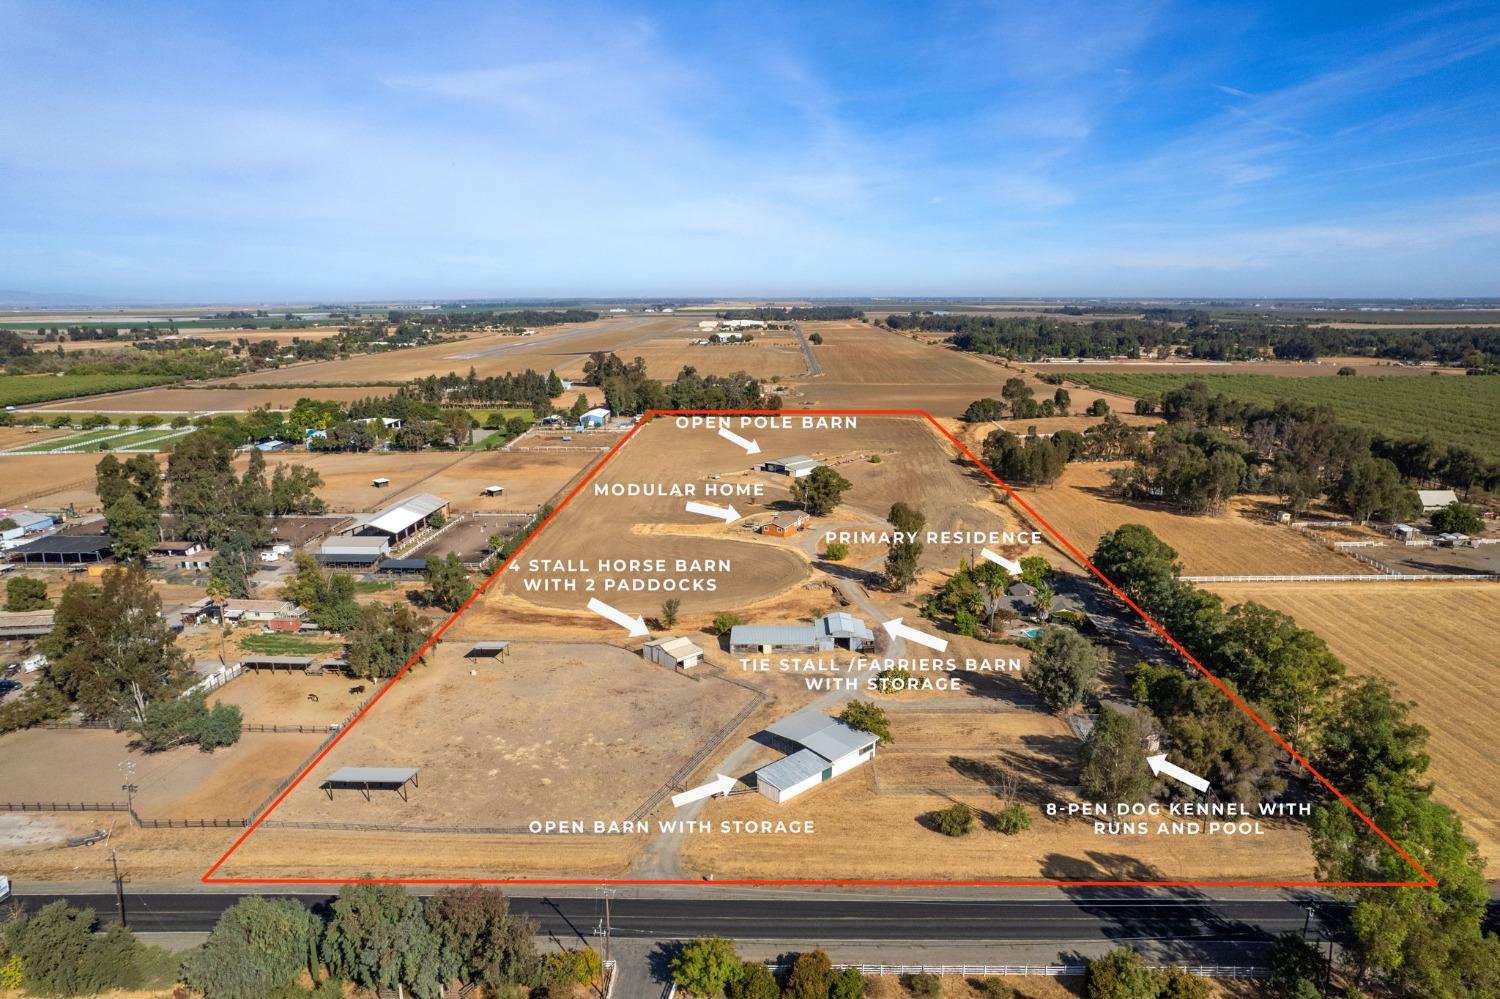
{"x": 179, "y": 783}
{"x": 1082, "y": 507}
{"x": 1435, "y": 641}
{"x": 283, "y": 698}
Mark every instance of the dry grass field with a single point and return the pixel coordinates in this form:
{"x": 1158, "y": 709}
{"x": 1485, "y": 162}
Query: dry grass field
{"x": 549, "y": 731}
{"x": 916, "y": 466}
{"x": 25, "y": 436}
{"x": 563, "y": 349}
{"x": 281, "y": 697}
{"x": 1436, "y": 642}
{"x": 867, "y": 367}
{"x": 48, "y": 481}
{"x": 772, "y": 354}
{"x": 1235, "y": 542}
{"x": 179, "y": 783}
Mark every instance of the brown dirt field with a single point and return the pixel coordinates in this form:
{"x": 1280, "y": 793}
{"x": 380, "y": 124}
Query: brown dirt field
{"x": 179, "y": 783}
{"x": 1231, "y": 543}
{"x": 48, "y": 481}
{"x": 1434, "y": 641}
{"x": 916, "y": 466}
{"x": 530, "y": 478}
{"x": 563, "y": 349}
{"x": 280, "y": 697}
{"x": 197, "y": 401}
{"x": 868, "y": 367}
{"x": 550, "y": 731}
{"x": 26, "y": 436}
{"x": 770, "y": 354}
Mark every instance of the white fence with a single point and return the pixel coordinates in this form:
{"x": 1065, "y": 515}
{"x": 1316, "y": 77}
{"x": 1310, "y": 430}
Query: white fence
{"x": 215, "y": 680}
{"x": 1035, "y": 970}
{"x": 1368, "y": 577}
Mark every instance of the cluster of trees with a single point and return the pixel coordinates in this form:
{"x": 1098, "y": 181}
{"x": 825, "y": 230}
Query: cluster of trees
{"x": 1019, "y": 400}
{"x": 1203, "y": 335}
{"x": 1037, "y": 460}
{"x": 327, "y": 596}
{"x": 458, "y": 319}
{"x": 1360, "y": 738}
{"x": 793, "y": 313}
{"x": 383, "y": 639}
{"x": 628, "y": 390}
{"x": 973, "y": 597}
{"x": 529, "y": 388}
{"x": 709, "y": 968}
{"x": 25, "y": 593}
{"x": 230, "y": 513}
{"x": 112, "y": 658}
{"x": 448, "y": 582}
{"x": 1297, "y": 451}
{"x": 821, "y": 491}
{"x": 1124, "y": 974}
{"x": 372, "y": 936}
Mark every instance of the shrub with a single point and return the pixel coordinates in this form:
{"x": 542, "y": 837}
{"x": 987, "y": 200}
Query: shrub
{"x": 923, "y": 984}
{"x": 723, "y": 622}
{"x": 995, "y": 988}
{"x": 811, "y": 977}
{"x": 836, "y": 551}
{"x": 24, "y": 593}
{"x": 706, "y": 966}
{"x": 847, "y": 984}
{"x": 1012, "y": 819}
{"x": 868, "y": 717}
{"x": 1178, "y": 984}
{"x": 1120, "y": 974}
{"x": 755, "y": 982}
{"x": 874, "y": 459}
{"x": 955, "y": 820}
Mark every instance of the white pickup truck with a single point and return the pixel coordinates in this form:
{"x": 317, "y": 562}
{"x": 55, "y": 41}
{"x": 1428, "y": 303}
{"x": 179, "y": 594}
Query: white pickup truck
{"x": 4, "y": 888}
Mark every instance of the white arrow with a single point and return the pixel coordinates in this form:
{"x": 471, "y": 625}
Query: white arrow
{"x": 751, "y": 447}
{"x": 635, "y": 625}
{"x": 1159, "y": 765}
{"x": 1014, "y": 568}
{"x": 719, "y": 785}
{"x": 727, "y": 514}
{"x": 896, "y": 629}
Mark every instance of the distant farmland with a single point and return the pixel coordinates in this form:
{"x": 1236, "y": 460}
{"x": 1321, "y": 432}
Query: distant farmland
{"x": 26, "y": 390}
{"x": 1452, "y": 410}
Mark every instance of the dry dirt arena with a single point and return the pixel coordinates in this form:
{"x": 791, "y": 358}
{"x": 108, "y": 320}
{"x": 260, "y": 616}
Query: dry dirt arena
{"x": 548, "y": 731}
{"x": 1436, "y": 643}
{"x": 866, "y": 367}
{"x": 49, "y": 481}
{"x": 1083, "y": 508}
{"x": 916, "y": 466}
{"x": 182, "y": 783}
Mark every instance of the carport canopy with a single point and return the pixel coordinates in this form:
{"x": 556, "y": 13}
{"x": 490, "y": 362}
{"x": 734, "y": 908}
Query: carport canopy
{"x": 487, "y": 650}
{"x": 367, "y": 779}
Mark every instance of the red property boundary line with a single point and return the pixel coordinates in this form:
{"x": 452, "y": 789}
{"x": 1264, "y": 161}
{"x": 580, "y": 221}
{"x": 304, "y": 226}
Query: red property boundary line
{"x": 1427, "y": 880}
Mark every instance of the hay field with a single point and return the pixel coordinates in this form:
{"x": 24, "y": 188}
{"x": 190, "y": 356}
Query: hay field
{"x": 551, "y": 731}
{"x": 563, "y": 349}
{"x": 868, "y": 367}
{"x": 1436, "y": 642}
{"x": 772, "y": 354}
{"x": 179, "y": 783}
{"x": 1081, "y": 507}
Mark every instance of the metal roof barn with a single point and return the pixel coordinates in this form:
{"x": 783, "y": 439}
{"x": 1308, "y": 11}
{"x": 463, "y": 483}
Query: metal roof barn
{"x": 399, "y": 518}
{"x": 367, "y": 779}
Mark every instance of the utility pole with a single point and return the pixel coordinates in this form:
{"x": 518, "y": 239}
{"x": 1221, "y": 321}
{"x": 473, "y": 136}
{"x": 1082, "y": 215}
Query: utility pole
{"x": 607, "y": 894}
{"x": 119, "y": 887}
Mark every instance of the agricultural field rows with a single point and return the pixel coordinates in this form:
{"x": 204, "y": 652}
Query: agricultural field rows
{"x": 1462, "y": 411}
{"x": 25, "y": 390}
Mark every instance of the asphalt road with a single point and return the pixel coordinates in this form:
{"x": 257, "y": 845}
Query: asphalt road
{"x": 1182, "y": 920}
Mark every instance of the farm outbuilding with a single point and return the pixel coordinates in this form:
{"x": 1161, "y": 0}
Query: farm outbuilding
{"x": 65, "y": 549}
{"x": 678, "y": 653}
{"x": 488, "y": 650}
{"x": 400, "y": 521}
{"x": 839, "y": 630}
{"x": 25, "y": 624}
{"x": 274, "y": 663}
{"x": 261, "y": 610}
{"x": 785, "y": 524}
{"x": 492, "y": 491}
{"x": 367, "y": 779}
{"x": 828, "y": 747}
{"x": 797, "y": 466}
{"x": 401, "y": 566}
{"x": 356, "y": 549}
{"x": 593, "y": 418}
{"x": 1436, "y": 499}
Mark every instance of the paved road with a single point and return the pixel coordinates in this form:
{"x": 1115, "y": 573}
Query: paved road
{"x": 1063, "y": 920}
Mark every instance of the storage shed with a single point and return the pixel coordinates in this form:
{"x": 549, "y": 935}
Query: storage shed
{"x": 828, "y": 747}
{"x": 796, "y": 466}
{"x": 678, "y": 653}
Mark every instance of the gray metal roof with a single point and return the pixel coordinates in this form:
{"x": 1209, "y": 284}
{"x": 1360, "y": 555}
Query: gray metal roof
{"x": 828, "y": 737}
{"x": 372, "y": 776}
{"x": 844, "y": 625}
{"x": 67, "y": 544}
{"x": 276, "y": 660}
{"x": 792, "y": 770}
{"x": 488, "y": 647}
{"x": 773, "y": 634}
{"x": 413, "y": 510}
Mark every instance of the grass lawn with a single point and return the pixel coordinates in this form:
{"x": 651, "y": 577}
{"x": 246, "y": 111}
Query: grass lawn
{"x": 372, "y": 586}
{"x": 1451, "y": 410}
{"x": 276, "y": 644}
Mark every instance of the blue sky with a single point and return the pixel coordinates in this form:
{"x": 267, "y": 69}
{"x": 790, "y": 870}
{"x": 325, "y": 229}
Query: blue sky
{"x": 322, "y": 151}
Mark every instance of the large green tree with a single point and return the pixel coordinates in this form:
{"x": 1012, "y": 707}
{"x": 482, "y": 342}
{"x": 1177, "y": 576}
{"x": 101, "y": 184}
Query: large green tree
{"x": 705, "y": 967}
{"x": 1114, "y": 759}
{"x": 1064, "y": 668}
{"x": 448, "y": 582}
{"x": 258, "y": 946}
{"x": 481, "y": 941}
{"x": 110, "y": 652}
{"x": 820, "y": 491}
{"x": 386, "y": 638}
{"x": 379, "y": 938}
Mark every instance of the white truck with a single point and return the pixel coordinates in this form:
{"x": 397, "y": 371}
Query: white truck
{"x": 4, "y": 888}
